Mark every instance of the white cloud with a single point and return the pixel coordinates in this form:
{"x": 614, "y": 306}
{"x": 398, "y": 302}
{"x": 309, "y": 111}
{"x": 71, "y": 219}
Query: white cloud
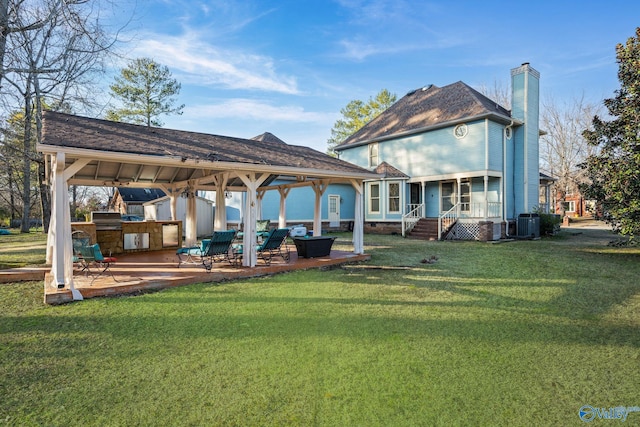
{"x": 249, "y": 109}
{"x": 203, "y": 63}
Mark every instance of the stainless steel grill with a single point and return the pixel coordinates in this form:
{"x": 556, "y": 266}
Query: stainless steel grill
{"x": 106, "y": 220}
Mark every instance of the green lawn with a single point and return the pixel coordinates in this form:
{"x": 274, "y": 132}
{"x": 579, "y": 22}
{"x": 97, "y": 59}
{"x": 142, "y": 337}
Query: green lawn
{"x": 19, "y": 250}
{"x": 521, "y": 333}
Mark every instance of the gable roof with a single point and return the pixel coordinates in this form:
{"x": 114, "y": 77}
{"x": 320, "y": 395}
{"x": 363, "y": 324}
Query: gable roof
{"x": 269, "y": 137}
{"x": 388, "y": 171}
{"x": 147, "y": 157}
{"x": 426, "y": 108}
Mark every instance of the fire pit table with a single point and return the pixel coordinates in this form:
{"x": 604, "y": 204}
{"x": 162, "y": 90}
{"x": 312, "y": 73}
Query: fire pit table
{"x": 313, "y": 247}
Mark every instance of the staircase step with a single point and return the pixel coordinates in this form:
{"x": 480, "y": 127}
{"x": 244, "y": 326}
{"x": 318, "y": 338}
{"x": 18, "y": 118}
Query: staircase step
{"x": 425, "y": 229}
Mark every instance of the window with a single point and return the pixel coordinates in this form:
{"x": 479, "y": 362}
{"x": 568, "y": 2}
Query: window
{"x": 374, "y": 198}
{"x": 465, "y": 196}
{"x": 394, "y": 197}
{"x": 373, "y": 155}
{"x": 448, "y": 196}
{"x": 460, "y": 131}
{"x": 569, "y": 206}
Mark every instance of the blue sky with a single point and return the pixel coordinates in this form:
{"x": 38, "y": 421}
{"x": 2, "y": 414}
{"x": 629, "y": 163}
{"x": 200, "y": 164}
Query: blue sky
{"x": 288, "y": 67}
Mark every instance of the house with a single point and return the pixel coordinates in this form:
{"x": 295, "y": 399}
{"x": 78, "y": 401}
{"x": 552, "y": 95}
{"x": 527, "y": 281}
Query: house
{"x": 452, "y": 160}
{"x": 127, "y": 200}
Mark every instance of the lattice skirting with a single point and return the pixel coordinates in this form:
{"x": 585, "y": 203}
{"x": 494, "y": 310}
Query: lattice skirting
{"x": 464, "y": 231}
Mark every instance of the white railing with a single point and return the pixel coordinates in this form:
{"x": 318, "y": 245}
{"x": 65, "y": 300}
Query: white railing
{"x": 446, "y": 219}
{"x": 409, "y": 220}
{"x": 477, "y": 210}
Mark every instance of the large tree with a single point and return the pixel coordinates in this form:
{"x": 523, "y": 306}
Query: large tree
{"x": 562, "y": 147}
{"x": 52, "y": 49}
{"x": 615, "y": 171}
{"x": 356, "y": 114}
{"x": 146, "y": 90}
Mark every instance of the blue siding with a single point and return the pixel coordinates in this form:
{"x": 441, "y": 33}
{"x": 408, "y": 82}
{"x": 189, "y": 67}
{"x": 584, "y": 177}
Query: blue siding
{"x": 300, "y": 203}
{"x": 437, "y": 152}
{"x": 496, "y": 132}
{"x": 356, "y": 155}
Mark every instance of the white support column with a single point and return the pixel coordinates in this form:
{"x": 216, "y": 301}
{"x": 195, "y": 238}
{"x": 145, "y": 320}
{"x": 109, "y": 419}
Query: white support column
{"x": 423, "y": 197}
{"x": 259, "y": 197}
{"x": 191, "y": 229}
{"x": 358, "y": 220}
{"x": 282, "y": 217}
{"x": 486, "y": 197}
{"x": 173, "y": 206}
{"x": 459, "y": 197}
{"x": 220, "y": 221}
{"x": 251, "y": 182}
{"x": 59, "y": 237}
{"x": 319, "y": 188}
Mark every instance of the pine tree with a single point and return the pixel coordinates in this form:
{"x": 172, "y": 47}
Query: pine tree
{"x": 357, "y": 114}
{"x": 147, "y": 91}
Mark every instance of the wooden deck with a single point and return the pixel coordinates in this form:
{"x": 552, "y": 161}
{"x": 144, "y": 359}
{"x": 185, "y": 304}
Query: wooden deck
{"x": 148, "y": 271}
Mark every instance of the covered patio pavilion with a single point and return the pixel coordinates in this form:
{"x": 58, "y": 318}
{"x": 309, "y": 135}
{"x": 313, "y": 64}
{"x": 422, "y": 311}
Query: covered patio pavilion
{"x": 93, "y": 152}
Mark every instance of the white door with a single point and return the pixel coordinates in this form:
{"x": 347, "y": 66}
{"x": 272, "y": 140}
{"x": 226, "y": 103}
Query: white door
{"x": 334, "y": 210}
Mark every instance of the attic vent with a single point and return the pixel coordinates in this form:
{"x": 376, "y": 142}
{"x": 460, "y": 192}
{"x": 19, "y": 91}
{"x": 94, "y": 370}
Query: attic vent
{"x": 411, "y": 92}
{"x": 427, "y": 87}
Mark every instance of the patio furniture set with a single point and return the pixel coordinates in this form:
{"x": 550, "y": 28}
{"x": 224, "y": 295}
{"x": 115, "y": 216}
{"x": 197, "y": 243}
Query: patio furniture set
{"x": 223, "y": 246}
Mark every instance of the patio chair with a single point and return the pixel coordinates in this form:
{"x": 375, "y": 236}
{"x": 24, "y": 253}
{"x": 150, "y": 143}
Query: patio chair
{"x": 274, "y": 244}
{"x": 216, "y": 249}
{"x": 79, "y": 239}
{"x": 90, "y": 256}
{"x": 262, "y": 227}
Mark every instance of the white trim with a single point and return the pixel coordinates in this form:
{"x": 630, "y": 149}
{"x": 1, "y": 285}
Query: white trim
{"x": 368, "y": 190}
{"x": 370, "y": 148}
{"x": 237, "y": 168}
{"x": 388, "y": 198}
{"x": 458, "y": 175}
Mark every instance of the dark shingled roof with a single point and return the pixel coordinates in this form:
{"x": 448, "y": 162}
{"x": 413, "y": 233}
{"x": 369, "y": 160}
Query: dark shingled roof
{"x": 140, "y": 194}
{"x": 426, "y": 107}
{"x": 65, "y": 130}
{"x": 269, "y": 137}
{"x": 388, "y": 171}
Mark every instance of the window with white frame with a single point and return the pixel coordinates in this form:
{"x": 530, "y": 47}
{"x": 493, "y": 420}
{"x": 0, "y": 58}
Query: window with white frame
{"x": 373, "y": 155}
{"x": 394, "y": 197}
{"x": 569, "y": 206}
{"x": 465, "y": 196}
{"x": 447, "y": 191}
{"x": 374, "y": 198}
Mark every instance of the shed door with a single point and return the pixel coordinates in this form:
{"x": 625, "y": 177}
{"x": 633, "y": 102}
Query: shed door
{"x": 334, "y": 210}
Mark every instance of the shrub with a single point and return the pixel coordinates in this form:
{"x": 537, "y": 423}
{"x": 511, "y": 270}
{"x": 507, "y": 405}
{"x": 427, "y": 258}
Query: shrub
{"x": 549, "y": 224}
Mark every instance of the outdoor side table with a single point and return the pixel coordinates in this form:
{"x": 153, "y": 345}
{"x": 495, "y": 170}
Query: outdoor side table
{"x": 312, "y": 247}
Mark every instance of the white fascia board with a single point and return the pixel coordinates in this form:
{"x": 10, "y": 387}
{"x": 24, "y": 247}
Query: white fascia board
{"x": 180, "y": 162}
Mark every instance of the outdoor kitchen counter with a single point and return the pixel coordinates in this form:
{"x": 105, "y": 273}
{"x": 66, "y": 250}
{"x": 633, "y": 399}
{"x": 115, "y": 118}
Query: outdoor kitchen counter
{"x": 134, "y": 236}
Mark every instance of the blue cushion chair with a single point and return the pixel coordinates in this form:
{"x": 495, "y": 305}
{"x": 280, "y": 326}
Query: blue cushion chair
{"x": 274, "y": 244}
{"x": 216, "y": 249}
